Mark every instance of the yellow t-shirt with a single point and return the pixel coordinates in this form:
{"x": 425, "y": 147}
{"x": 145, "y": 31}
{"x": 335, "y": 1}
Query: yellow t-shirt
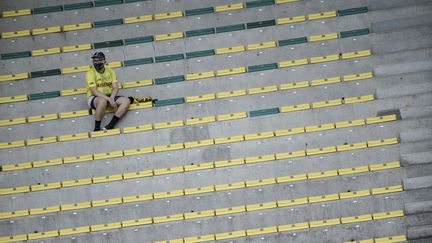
{"x": 102, "y": 81}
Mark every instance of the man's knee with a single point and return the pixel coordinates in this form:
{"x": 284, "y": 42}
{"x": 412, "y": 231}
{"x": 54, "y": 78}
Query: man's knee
{"x": 125, "y": 101}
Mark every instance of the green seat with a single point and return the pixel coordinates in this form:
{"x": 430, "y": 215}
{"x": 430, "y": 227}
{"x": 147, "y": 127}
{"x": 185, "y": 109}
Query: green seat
{"x": 138, "y": 40}
{"x": 45, "y": 73}
{"x": 14, "y": 55}
{"x": 351, "y": 33}
{"x": 175, "y": 101}
{"x": 172, "y": 79}
{"x": 199, "y": 11}
{"x": 261, "y": 24}
{"x": 106, "y": 44}
{"x": 192, "y": 33}
{"x": 264, "y": 112}
{"x": 351, "y": 11}
{"x": 196, "y": 54}
{"x": 44, "y": 95}
{"x": 169, "y": 58}
{"x": 140, "y": 61}
{"x": 106, "y": 23}
{"x": 259, "y": 3}
{"x": 229, "y": 28}
{"x": 75, "y": 6}
{"x": 99, "y": 3}
{"x": 262, "y": 67}
{"x": 293, "y": 41}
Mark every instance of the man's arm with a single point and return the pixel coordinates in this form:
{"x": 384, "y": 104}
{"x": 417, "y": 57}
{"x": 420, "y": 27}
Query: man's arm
{"x": 114, "y": 90}
{"x": 98, "y": 93}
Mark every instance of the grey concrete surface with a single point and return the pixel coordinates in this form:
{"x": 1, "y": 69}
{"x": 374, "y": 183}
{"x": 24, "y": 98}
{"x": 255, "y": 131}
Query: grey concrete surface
{"x": 418, "y": 182}
{"x": 418, "y": 207}
{"x": 416, "y": 158}
{"x": 419, "y": 232}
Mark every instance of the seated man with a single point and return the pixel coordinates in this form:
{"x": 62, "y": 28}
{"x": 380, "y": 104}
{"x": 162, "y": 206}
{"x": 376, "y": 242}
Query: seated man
{"x": 102, "y": 89}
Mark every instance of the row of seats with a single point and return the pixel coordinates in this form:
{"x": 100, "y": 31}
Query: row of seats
{"x": 294, "y": 227}
{"x": 189, "y": 55}
{"x": 390, "y": 239}
{"x": 191, "y": 121}
{"x": 161, "y": 37}
{"x": 225, "y": 117}
{"x": 210, "y": 213}
{"x": 179, "y": 169}
{"x": 65, "y": 7}
{"x": 223, "y": 187}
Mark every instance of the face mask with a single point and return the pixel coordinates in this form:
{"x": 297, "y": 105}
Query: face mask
{"x": 98, "y": 65}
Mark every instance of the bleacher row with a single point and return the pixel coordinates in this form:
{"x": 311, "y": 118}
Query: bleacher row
{"x": 191, "y": 121}
{"x": 233, "y": 210}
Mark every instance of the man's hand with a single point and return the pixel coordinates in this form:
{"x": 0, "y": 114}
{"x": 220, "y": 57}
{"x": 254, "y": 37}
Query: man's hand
{"x": 112, "y": 102}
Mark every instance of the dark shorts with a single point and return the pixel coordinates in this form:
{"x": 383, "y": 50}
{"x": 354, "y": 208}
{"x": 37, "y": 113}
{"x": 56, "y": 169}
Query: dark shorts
{"x": 91, "y": 99}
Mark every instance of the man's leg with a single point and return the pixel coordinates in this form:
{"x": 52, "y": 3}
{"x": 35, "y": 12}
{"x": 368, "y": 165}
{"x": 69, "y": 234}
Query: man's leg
{"x": 100, "y": 105}
{"x": 123, "y": 104}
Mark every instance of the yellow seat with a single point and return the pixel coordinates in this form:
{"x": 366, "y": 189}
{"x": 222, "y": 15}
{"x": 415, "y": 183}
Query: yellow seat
{"x": 110, "y": 178}
{"x": 291, "y": 131}
{"x": 77, "y": 182}
{"x": 13, "y": 121}
{"x": 14, "y": 144}
{"x": 323, "y": 223}
{"x": 293, "y": 63}
{"x": 356, "y": 54}
{"x": 9, "y": 99}
{"x": 353, "y": 170}
{"x": 199, "y": 214}
{"x": 228, "y": 94}
{"x": 42, "y": 235}
{"x": 356, "y": 219}
{"x": 230, "y": 210}
{"x": 138, "y": 151}
{"x": 72, "y": 114}
{"x": 262, "y": 45}
{"x": 75, "y": 206}
{"x": 136, "y": 222}
{"x": 322, "y": 15}
{"x": 138, "y": 174}
{"x": 260, "y": 231}
{"x": 296, "y": 85}
{"x": 358, "y": 76}
{"x": 14, "y": 214}
{"x": 201, "y": 166}
{"x": 324, "y": 150}
{"x": 232, "y": 139}
{"x": 168, "y": 147}
{"x": 52, "y": 209}
{"x": 199, "y": 190}
{"x": 327, "y": 103}
{"x": 140, "y": 128}
{"x": 321, "y": 127}
{"x": 77, "y": 91}
{"x": 162, "y": 125}
{"x": 195, "y": 76}
{"x": 292, "y": 202}
{"x": 14, "y": 34}
{"x": 324, "y": 198}
{"x": 292, "y": 108}
{"x": 76, "y": 159}
{"x": 201, "y": 238}
{"x": 82, "y": 47}
{"x": 325, "y": 81}
{"x": 352, "y": 146}
{"x": 232, "y": 116}
{"x": 169, "y": 218}
{"x": 14, "y": 190}
{"x": 79, "y": 69}
{"x": 291, "y": 20}
{"x": 382, "y": 142}
{"x": 389, "y": 214}
{"x": 164, "y": 171}
{"x": 232, "y": 49}
{"x": 108, "y": 155}
{"x": 143, "y": 105}
{"x": 359, "y": 99}
{"x": 229, "y": 7}
{"x": 73, "y": 231}
{"x": 104, "y": 133}
{"x": 16, "y": 13}
{"x": 391, "y": 239}
{"x": 291, "y": 227}
{"x": 49, "y": 51}
{"x": 138, "y": 19}
{"x": 138, "y": 198}
{"x": 48, "y": 186}
{"x": 70, "y": 137}
{"x": 81, "y": 26}
{"x": 169, "y": 36}
{"x": 168, "y": 15}
{"x": 352, "y": 123}
{"x": 230, "y": 186}
{"x": 175, "y": 193}
{"x": 258, "y": 159}
{"x": 327, "y": 58}
{"x": 12, "y": 77}
{"x": 198, "y": 98}
{"x": 389, "y": 189}
{"x": 285, "y": 1}
{"x": 40, "y": 118}
{"x": 330, "y": 36}
{"x": 289, "y": 155}
{"x": 262, "y": 182}
{"x": 42, "y": 140}
{"x": 260, "y": 90}
{"x": 19, "y": 166}
{"x": 259, "y": 135}
{"x": 139, "y": 83}
{"x": 225, "y": 163}
{"x": 230, "y": 71}
{"x": 322, "y": 174}
{"x": 200, "y": 143}
{"x": 47, "y": 30}
{"x": 106, "y": 202}
{"x": 43, "y": 163}
{"x": 361, "y": 193}
{"x": 200, "y": 120}
{"x": 373, "y": 120}
{"x": 261, "y": 206}
{"x": 116, "y": 64}
{"x": 103, "y": 227}
{"x": 298, "y": 177}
